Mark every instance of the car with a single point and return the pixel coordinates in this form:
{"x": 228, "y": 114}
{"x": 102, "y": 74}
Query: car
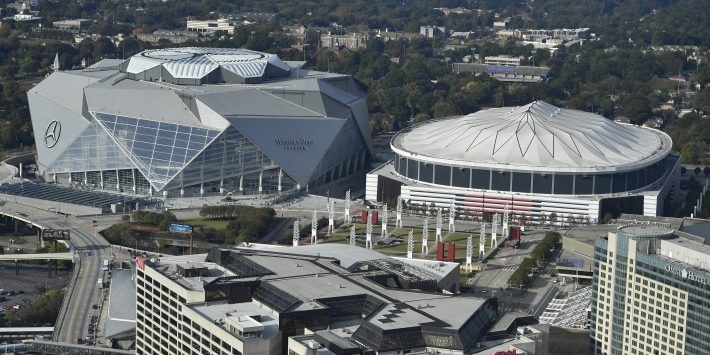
{"x": 27, "y": 301}
{"x": 484, "y": 291}
{"x": 16, "y": 306}
{"x": 79, "y": 341}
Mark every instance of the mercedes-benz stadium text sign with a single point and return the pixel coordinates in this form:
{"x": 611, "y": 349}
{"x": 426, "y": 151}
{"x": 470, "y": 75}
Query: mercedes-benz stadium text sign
{"x": 295, "y": 143}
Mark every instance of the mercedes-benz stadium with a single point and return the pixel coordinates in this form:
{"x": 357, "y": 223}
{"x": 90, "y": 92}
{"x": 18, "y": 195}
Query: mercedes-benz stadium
{"x": 538, "y": 159}
{"x": 196, "y": 121}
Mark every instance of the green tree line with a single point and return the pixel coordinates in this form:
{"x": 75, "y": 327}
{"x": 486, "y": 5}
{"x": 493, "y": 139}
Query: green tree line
{"x": 541, "y": 254}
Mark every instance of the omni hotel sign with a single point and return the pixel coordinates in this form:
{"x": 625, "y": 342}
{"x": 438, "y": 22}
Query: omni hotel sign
{"x": 295, "y": 143}
{"x": 684, "y": 273}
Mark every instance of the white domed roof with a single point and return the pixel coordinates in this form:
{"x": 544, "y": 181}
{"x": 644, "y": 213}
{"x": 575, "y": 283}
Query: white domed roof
{"x": 537, "y": 136}
{"x": 196, "y": 62}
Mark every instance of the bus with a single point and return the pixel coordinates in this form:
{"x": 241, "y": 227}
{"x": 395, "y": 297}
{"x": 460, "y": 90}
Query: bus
{"x": 106, "y": 265}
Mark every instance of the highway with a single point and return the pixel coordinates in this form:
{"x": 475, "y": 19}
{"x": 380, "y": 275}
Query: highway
{"x": 82, "y": 291}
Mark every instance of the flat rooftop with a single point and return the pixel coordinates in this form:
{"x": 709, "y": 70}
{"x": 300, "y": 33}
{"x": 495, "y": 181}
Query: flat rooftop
{"x": 311, "y": 278}
{"x": 244, "y": 313}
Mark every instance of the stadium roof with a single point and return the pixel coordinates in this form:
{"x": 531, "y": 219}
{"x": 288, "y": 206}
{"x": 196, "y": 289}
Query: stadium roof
{"x": 536, "y": 136}
{"x": 196, "y": 62}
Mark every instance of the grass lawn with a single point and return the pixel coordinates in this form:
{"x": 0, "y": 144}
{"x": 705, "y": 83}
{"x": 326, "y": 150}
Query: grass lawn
{"x": 342, "y": 234}
{"x": 219, "y": 225}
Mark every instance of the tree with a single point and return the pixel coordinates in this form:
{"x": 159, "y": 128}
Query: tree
{"x": 690, "y": 152}
{"x": 636, "y": 107}
{"x": 553, "y": 217}
{"x": 420, "y": 117}
{"x": 444, "y": 109}
{"x": 607, "y": 218}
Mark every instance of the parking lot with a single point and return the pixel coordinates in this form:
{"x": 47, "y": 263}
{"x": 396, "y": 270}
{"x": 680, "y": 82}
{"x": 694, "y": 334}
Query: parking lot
{"x": 22, "y": 289}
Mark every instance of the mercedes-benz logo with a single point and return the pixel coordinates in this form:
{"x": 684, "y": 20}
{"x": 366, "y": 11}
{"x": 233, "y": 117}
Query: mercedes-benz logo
{"x": 51, "y": 136}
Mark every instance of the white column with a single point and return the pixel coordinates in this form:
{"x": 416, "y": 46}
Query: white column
{"x": 410, "y": 244}
{"x": 384, "y": 217}
{"x": 469, "y": 254}
{"x": 118, "y": 182}
{"x": 101, "y": 178}
{"x": 241, "y": 183}
{"x": 494, "y": 231}
{"x": 314, "y": 228}
{"x": 296, "y": 233}
{"x": 346, "y": 217}
{"x": 425, "y": 236}
{"x": 353, "y": 239}
{"x": 261, "y": 177}
{"x": 331, "y": 217}
{"x": 280, "y": 177}
{"x": 398, "y": 222}
{"x": 482, "y": 241}
{"x": 506, "y": 216}
{"x": 452, "y": 213}
{"x": 439, "y": 221}
{"x": 368, "y": 232}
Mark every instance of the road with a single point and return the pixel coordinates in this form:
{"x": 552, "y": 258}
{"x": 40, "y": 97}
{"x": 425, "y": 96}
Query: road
{"x": 82, "y": 291}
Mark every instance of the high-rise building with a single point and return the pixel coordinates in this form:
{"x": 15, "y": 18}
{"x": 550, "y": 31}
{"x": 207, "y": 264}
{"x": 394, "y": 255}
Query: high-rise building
{"x": 650, "y": 292}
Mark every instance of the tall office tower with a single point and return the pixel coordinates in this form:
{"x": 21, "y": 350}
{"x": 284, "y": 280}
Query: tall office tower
{"x": 650, "y": 292}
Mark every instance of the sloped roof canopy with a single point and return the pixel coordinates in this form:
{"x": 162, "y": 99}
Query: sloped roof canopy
{"x": 537, "y": 136}
{"x": 195, "y": 65}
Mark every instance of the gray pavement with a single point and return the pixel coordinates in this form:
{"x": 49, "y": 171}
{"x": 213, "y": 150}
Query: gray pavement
{"x": 82, "y": 291}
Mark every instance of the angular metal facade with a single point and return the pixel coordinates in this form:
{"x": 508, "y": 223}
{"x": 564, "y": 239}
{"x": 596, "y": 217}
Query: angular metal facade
{"x": 153, "y": 137}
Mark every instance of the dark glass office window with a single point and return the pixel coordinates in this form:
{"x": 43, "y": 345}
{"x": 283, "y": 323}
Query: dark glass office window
{"x": 460, "y": 177}
{"x": 564, "y": 184}
{"x": 412, "y": 167}
{"x": 521, "y": 182}
{"x": 619, "y": 182}
{"x": 542, "y": 183}
{"x": 632, "y": 180}
{"x": 481, "y": 179}
{"x": 642, "y": 178}
{"x": 426, "y": 172}
{"x": 500, "y": 180}
{"x": 602, "y": 184}
{"x": 583, "y": 184}
{"x": 442, "y": 175}
{"x": 402, "y": 167}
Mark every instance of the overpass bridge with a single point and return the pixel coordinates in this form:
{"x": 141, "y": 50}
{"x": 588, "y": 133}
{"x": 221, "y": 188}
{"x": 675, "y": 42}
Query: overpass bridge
{"x": 39, "y": 256}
